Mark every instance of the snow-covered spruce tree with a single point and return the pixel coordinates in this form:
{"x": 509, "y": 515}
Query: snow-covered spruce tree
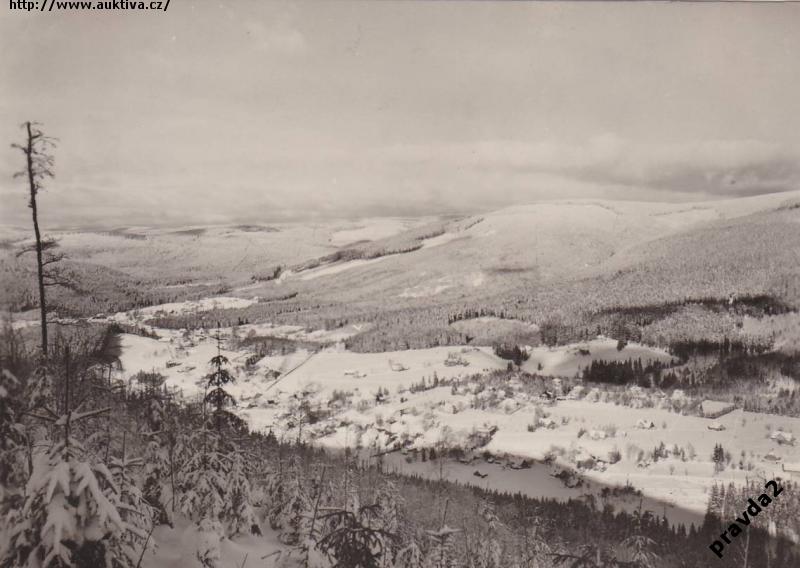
{"x": 156, "y": 472}
{"x": 490, "y": 553}
{"x": 390, "y": 503}
{"x": 275, "y": 487}
{"x": 177, "y": 444}
{"x": 292, "y": 513}
{"x": 319, "y": 493}
{"x": 203, "y": 497}
{"x": 13, "y": 443}
{"x": 202, "y": 493}
{"x": 41, "y": 387}
{"x": 352, "y": 538}
{"x": 12, "y": 439}
{"x": 70, "y": 517}
{"x": 204, "y": 478}
{"x": 347, "y": 490}
{"x": 590, "y": 555}
{"x": 40, "y": 394}
{"x": 410, "y": 555}
{"x": 639, "y": 548}
{"x": 389, "y": 517}
{"x": 440, "y": 552}
{"x": 215, "y": 487}
{"x": 134, "y": 510}
{"x": 240, "y": 518}
{"x": 216, "y": 395}
{"x": 530, "y": 550}
{"x": 157, "y": 464}
{"x": 153, "y": 398}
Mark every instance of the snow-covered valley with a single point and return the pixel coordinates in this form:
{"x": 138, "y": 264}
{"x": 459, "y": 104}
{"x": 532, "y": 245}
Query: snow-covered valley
{"x": 510, "y": 435}
{"x": 533, "y": 351}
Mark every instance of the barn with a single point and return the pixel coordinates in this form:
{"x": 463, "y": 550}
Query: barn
{"x": 792, "y": 468}
{"x": 715, "y": 408}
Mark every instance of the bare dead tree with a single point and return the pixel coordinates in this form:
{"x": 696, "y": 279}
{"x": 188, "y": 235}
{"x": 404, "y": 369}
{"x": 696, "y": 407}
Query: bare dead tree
{"x": 39, "y": 161}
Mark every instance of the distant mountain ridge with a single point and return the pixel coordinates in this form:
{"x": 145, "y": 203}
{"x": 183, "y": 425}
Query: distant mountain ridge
{"x": 571, "y": 240}
{"x": 564, "y": 263}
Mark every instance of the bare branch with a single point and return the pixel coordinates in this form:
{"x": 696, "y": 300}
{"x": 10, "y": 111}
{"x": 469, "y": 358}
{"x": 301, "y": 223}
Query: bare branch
{"x": 57, "y": 280}
{"x": 52, "y": 259}
{"x": 62, "y": 283}
{"x": 49, "y": 411}
{"x": 40, "y": 417}
{"x": 77, "y": 416}
{"x": 25, "y": 250}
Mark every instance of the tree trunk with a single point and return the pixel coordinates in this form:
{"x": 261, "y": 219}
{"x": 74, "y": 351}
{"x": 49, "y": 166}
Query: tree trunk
{"x": 35, "y": 215}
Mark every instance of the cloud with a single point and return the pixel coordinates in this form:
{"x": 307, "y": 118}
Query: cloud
{"x": 419, "y": 179}
{"x": 714, "y": 167}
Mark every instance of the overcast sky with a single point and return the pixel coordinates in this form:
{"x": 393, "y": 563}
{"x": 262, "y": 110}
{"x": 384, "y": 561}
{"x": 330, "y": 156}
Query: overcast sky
{"x": 247, "y": 111}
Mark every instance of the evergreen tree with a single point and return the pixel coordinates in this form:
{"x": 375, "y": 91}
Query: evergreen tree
{"x": 13, "y": 442}
{"x": 291, "y": 514}
{"x": 157, "y": 471}
{"x": 204, "y": 480}
{"x": 240, "y": 517}
{"x": 70, "y": 516}
{"x": 389, "y": 501}
{"x": 134, "y": 510}
{"x": 203, "y": 497}
{"x": 441, "y": 551}
{"x": 352, "y": 539}
{"x": 216, "y": 395}
{"x": 215, "y": 487}
{"x": 490, "y": 553}
{"x": 410, "y": 556}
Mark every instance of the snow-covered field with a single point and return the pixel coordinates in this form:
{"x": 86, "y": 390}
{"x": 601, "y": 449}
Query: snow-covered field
{"x": 177, "y": 548}
{"x": 185, "y": 364}
{"x": 336, "y": 268}
{"x": 372, "y": 229}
